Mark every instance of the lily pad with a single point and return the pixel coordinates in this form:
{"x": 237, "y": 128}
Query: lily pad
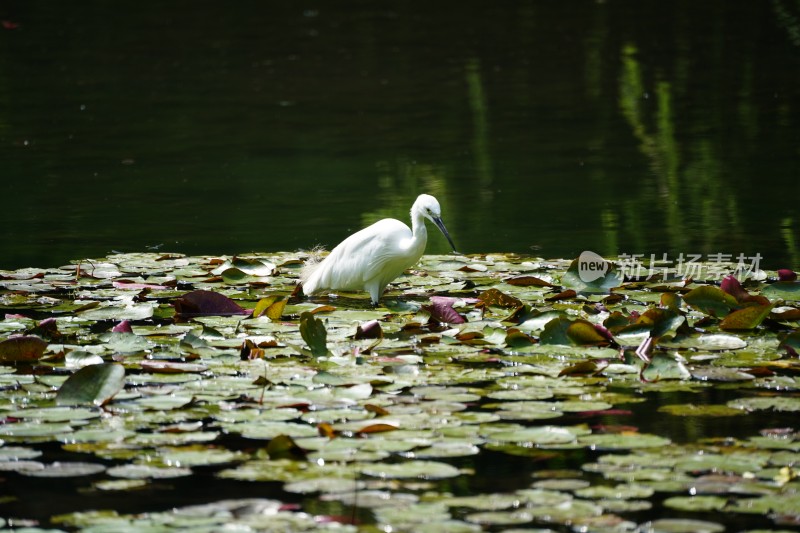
{"x": 623, "y": 442}
{"x": 411, "y": 469}
{"x": 20, "y": 349}
{"x": 544, "y": 435}
{"x": 93, "y": 384}
{"x": 711, "y": 300}
{"x": 66, "y": 469}
{"x": 747, "y": 318}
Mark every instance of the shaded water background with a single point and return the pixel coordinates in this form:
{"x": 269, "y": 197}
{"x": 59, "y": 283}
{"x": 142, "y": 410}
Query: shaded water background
{"x": 542, "y": 127}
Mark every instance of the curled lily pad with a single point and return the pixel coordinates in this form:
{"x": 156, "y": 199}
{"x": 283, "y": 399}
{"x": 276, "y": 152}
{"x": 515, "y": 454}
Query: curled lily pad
{"x": 93, "y": 384}
{"x": 315, "y": 335}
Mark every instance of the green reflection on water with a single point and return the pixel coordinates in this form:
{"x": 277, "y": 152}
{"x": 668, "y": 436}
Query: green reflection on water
{"x": 625, "y": 127}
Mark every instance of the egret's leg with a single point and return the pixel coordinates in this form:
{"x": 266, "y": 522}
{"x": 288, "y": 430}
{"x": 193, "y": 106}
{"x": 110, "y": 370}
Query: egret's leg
{"x": 374, "y": 290}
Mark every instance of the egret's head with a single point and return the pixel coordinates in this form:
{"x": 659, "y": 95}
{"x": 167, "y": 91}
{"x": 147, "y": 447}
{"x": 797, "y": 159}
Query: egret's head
{"x": 428, "y": 206}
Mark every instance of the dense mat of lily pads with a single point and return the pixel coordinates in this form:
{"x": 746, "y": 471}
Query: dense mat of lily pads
{"x": 146, "y": 365}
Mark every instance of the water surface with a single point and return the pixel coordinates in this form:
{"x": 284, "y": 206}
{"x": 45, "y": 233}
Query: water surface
{"x": 542, "y": 127}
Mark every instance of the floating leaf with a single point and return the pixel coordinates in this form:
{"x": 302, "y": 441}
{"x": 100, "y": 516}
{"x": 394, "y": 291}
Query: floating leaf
{"x": 562, "y": 330}
{"x": 747, "y": 318}
{"x": 699, "y": 410}
{"x": 499, "y": 299}
{"x": 711, "y": 300}
{"x": 778, "y": 403}
{"x": 206, "y": 303}
{"x": 22, "y": 349}
{"x": 783, "y": 290}
{"x": 582, "y": 368}
{"x": 586, "y": 281}
{"x": 623, "y": 441}
{"x": 93, "y": 384}
{"x": 66, "y": 469}
{"x": 170, "y": 367}
{"x": 271, "y": 306}
{"x": 376, "y": 428}
{"x": 528, "y": 281}
{"x": 544, "y": 435}
{"x": 250, "y": 267}
{"x": 663, "y": 366}
{"x": 555, "y": 331}
{"x": 315, "y": 335}
{"x": 791, "y": 341}
{"x": 584, "y": 333}
{"x": 284, "y": 447}
{"x": 442, "y": 311}
{"x": 411, "y": 469}
{"x": 143, "y": 471}
{"x": 682, "y": 525}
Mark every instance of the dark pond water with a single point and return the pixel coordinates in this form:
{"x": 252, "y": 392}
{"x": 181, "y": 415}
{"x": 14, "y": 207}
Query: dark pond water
{"x": 542, "y": 127}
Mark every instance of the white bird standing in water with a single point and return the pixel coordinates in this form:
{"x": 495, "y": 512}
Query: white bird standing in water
{"x": 369, "y": 259}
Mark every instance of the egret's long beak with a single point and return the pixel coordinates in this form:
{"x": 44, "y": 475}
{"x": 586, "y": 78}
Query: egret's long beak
{"x": 440, "y": 225}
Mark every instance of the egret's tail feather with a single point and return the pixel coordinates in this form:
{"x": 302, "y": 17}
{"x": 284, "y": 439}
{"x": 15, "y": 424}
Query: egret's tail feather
{"x": 311, "y": 264}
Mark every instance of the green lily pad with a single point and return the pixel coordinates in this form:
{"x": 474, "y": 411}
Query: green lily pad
{"x": 777, "y": 403}
{"x": 93, "y": 384}
{"x": 544, "y": 435}
{"x": 136, "y": 471}
{"x": 700, "y": 410}
{"x": 411, "y": 469}
{"x": 782, "y": 290}
{"x": 314, "y": 334}
{"x": 711, "y": 300}
{"x": 747, "y": 318}
{"x": 500, "y": 518}
{"x": 66, "y": 469}
{"x": 576, "y": 279}
{"x": 324, "y": 484}
{"x": 623, "y": 442}
{"x": 682, "y": 525}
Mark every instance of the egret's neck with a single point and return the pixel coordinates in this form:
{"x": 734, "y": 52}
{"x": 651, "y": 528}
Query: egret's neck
{"x": 419, "y": 233}
{"x": 418, "y": 228}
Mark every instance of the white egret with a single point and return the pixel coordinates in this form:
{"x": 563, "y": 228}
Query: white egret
{"x": 369, "y": 259}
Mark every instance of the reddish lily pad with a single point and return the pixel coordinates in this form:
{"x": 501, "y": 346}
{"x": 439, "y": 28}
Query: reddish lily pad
{"x": 441, "y": 310}
{"x": 22, "y": 349}
{"x": 207, "y": 303}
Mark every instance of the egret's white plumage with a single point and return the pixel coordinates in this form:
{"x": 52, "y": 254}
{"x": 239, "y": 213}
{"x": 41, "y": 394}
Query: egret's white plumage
{"x": 369, "y": 259}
